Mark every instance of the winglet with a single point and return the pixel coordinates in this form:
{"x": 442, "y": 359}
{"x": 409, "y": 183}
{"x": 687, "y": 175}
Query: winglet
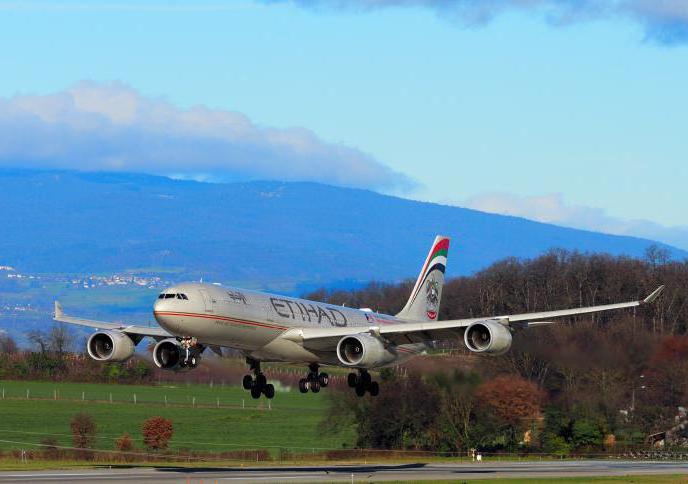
{"x": 58, "y": 310}
{"x": 655, "y": 294}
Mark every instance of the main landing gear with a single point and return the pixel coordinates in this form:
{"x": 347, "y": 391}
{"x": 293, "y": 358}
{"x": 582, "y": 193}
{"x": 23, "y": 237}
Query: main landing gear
{"x": 362, "y": 383}
{"x": 258, "y": 385}
{"x": 314, "y": 381}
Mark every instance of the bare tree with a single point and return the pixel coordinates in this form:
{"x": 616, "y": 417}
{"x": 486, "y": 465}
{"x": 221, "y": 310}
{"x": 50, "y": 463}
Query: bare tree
{"x": 60, "y": 339}
{"x": 39, "y": 339}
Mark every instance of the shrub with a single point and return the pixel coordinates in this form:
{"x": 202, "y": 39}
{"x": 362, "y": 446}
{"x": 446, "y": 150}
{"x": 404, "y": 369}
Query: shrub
{"x": 83, "y": 434}
{"x": 50, "y": 450}
{"x": 586, "y": 434}
{"x": 124, "y": 443}
{"x": 157, "y": 432}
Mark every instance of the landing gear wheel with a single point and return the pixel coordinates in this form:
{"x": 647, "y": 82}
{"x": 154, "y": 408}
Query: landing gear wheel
{"x": 256, "y": 391}
{"x": 303, "y": 385}
{"x": 324, "y": 379}
{"x": 248, "y": 382}
{"x": 374, "y": 389}
{"x": 360, "y": 390}
{"x": 315, "y": 386}
{"x": 261, "y": 380}
{"x": 365, "y": 379}
{"x": 269, "y": 391}
{"x": 352, "y": 380}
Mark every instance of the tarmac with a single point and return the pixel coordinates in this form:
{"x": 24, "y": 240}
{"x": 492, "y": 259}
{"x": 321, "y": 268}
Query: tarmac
{"x": 355, "y": 473}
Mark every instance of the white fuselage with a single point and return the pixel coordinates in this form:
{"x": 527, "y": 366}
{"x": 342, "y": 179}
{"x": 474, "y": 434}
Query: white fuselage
{"x": 256, "y": 322}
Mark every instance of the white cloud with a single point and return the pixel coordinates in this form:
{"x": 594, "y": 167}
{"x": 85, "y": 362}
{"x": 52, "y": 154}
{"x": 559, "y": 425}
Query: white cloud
{"x": 113, "y": 127}
{"x": 664, "y": 21}
{"x": 553, "y": 209}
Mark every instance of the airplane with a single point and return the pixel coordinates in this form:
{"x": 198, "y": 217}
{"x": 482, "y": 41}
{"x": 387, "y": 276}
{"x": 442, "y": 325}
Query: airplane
{"x": 272, "y": 328}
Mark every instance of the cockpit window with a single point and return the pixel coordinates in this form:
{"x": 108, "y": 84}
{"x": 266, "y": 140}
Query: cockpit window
{"x": 165, "y": 295}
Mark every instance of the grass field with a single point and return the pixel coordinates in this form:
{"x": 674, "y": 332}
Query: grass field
{"x": 218, "y": 418}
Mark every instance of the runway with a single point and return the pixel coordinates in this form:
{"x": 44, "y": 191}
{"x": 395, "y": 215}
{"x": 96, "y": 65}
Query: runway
{"x": 356, "y": 473}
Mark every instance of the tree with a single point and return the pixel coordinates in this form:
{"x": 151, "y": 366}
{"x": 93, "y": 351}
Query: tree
{"x": 83, "y": 434}
{"x": 157, "y": 432}
{"x": 40, "y": 339}
{"x": 7, "y": 344}
{"x": 512, "y": 398}
{"x": 586, "y": 434}
{"x": 402, "y": 416}
{"x": 59, "y": 339}
{"x": 514, "y": 401}
{"x": 457, "y": 409}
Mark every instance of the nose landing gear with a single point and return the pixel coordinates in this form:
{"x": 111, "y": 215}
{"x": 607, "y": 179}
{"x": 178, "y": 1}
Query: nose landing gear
{"x": 258, "y": 385}
{"x": 363, "y": 383}
{"x": 191, "y": 352}
{"x": 314, "y": 381}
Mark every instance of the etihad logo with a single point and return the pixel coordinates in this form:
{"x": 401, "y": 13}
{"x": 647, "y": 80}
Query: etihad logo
{"x": 308, "y": 312}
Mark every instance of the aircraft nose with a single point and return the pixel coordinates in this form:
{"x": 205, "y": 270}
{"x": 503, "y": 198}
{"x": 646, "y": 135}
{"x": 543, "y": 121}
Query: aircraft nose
{"x": 164, "y": 304}
{"x": 161, "y": 309}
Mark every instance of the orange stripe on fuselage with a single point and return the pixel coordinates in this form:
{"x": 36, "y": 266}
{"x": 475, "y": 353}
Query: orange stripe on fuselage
{"x": 222, "y": 318}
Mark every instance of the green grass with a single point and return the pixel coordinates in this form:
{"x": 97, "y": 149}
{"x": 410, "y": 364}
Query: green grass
{"x": 239, "y": 422}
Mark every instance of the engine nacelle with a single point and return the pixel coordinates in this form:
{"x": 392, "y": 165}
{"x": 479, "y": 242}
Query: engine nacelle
{"x": 168, "y": 354}
{"x": 110, "y": 346}
{"x": 488, "y": 337}
{"x": 363, "y": 351}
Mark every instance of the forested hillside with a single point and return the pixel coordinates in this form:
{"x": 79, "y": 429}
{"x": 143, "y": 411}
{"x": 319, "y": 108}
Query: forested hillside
{"x": 592, "y": 383}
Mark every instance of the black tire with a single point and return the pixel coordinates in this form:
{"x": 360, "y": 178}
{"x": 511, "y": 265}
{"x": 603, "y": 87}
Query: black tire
{"x": 262, "y": 381}
{"x": 256, "y": 391}
{"x": 374, "y": 389}
{"x": 269, "y": 391}
{"x": 315, "y": 386}
{"x": 360, "y": 390}
{"x": 352, "y": 380}
{"x": 324, "y": 379}
{"x": 366, "y": 379}
{"x": 303, "y": 385}
{"x": 248, "y": 382}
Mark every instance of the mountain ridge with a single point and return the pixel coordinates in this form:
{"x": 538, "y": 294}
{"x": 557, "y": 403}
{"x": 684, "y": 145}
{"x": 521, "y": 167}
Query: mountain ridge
{"x": 260, "y": 233}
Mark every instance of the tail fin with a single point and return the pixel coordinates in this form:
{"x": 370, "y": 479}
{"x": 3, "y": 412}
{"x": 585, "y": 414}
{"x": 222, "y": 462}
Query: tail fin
{"x": 424, "y": 303}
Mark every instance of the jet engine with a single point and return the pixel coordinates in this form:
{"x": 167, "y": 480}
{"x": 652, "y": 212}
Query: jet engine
{"x": 488, "y": 337}
{"x": 110, "y": 346}
{"x": 169, "y": 354}
{"x": 363, "y": 351}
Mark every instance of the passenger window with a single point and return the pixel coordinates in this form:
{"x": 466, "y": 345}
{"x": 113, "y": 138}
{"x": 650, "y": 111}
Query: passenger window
{"x": 161, "y": 296}
{"x": 169, "y": 296}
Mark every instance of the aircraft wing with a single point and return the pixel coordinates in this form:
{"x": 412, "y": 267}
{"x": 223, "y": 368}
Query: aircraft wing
{"x": 418, "y": 332}
{"x": 154, "y": 332}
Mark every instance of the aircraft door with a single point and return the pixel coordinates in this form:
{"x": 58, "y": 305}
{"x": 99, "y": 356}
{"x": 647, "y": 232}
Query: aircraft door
{"x": 208, "y": 301}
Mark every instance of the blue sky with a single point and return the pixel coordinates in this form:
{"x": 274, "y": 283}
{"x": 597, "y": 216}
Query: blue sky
{"x": 577, "y": 118}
